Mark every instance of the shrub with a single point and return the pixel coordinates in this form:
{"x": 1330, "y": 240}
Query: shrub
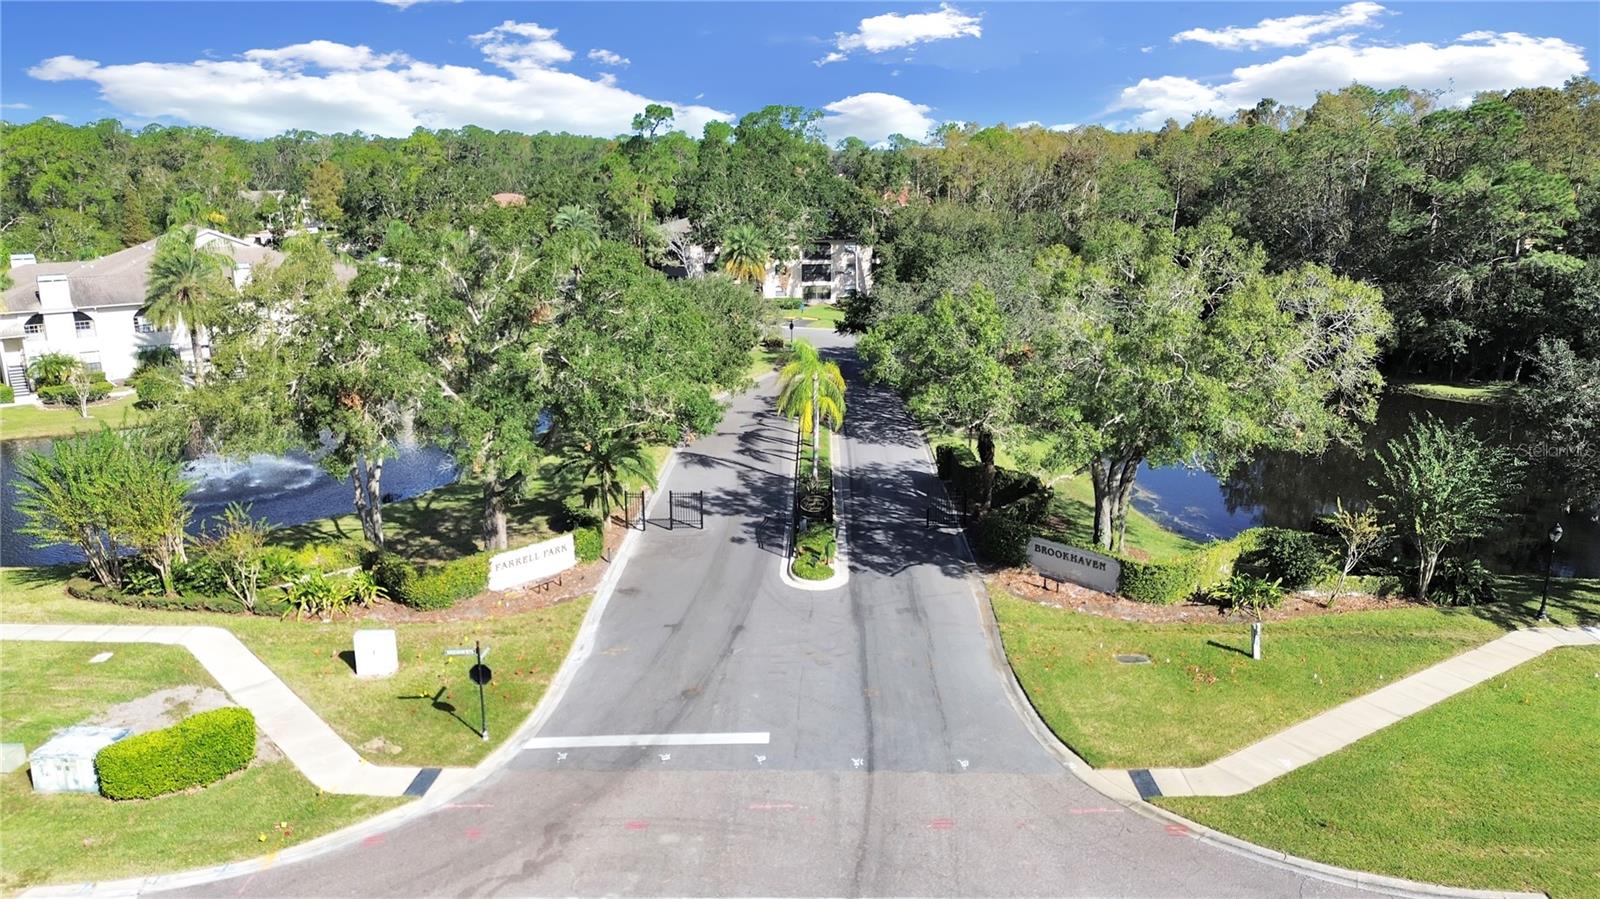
{"x": 7, "y": 394}
{"x": 83, "y": 588}
{"x": 157, "y": 386}
{"x": 200, "y": 574}
{"x": 314, "y": 595}
{"x": 791, "y": 304}
{"x": 574, "y": 515}
{"x": 279, "y": 565}
{"x": 198, "y": 750}
{"x": 772, "y": 342}
{"x": 67, "y": 395}
{"x": 1248, "y": 593}
{"x": 361, "y": 588}
{"x": 1002, "y": 537}
{"x": 814, "y": 552}
{"x": 1294, "y": 558}
{"x": 950, "y": 458}
{"x": 1173, "y": 581}
{"x": 1462, "y": 583}
{"x": 148, "y": 358}
{"x": 589, "y": 543}
{"x": 436, "y": 587}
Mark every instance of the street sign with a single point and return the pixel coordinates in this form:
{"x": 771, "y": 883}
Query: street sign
{"x": 480, "y": 674}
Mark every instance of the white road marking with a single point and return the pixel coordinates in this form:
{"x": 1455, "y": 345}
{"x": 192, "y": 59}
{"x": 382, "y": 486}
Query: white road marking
{"x": 751, "y": 738}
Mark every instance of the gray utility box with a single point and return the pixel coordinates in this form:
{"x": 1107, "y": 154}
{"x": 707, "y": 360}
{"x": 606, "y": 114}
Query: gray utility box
{"x": 65, "y": 763}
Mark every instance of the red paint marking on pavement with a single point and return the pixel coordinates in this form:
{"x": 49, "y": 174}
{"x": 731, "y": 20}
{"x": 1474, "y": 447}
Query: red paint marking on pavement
{"x": 637, "y": 825}
{"x": 941, "y": 824}
{"x": 374, "y": 840}
{"x": 474, "y": 832}
{"x": 1087, "y": 811}
{"x": 772, "y": 806}
{"x": 1177, "y": 830}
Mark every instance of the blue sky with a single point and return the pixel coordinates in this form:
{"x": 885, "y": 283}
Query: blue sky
{"x": 876, "y": 68}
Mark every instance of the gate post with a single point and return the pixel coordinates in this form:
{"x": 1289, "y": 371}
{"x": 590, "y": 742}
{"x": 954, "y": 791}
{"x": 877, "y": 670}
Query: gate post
{"x": 672, "y": 508}
{"x": 702, "y": 495}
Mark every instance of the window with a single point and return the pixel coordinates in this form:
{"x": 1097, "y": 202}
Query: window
{"x": 142, "y": 325}
{"x": 83, "y": 326}
{"x": 33, "y": 328}
{"x": 92, "y": 364}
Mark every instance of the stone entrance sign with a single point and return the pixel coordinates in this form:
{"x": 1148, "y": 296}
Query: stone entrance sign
{"x": 538, "y": 562}
{"x": 376, "y": 654}
{"x": 1074, "y": 565}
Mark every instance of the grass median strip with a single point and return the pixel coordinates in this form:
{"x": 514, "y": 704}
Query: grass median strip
{"x": 66, "y": 837}
{"x": 31, "y": 422}
{"x": 1494, "y": 788}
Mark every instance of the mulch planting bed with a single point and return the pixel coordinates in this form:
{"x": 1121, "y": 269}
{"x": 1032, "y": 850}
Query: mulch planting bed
{"x": 1028, "y": 585}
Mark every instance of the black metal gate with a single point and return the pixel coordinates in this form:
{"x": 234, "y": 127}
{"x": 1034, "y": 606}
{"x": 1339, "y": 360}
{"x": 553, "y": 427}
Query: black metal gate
{"x": 687, "y": 509}
{"x": 633, "y": 509}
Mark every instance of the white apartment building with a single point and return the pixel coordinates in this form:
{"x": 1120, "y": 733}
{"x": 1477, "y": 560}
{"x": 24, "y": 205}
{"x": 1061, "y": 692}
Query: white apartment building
{"x": 825, "y": 272}
{"x": 94, "y": 309}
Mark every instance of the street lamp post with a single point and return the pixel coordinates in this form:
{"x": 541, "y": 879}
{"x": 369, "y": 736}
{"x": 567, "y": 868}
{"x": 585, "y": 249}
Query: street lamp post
{"x": 1550, "y": 561}
{"x": 791, "y": 332}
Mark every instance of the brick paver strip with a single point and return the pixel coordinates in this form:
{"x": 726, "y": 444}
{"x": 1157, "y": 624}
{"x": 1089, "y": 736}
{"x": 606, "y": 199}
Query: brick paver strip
{"x": 1342, "y": 725}
{"x": 321, "y": 755}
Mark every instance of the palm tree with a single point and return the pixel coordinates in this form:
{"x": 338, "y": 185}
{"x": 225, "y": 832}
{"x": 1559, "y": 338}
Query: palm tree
{"x": 811, "y": 389}
{"x": 605, "y": 464}
{"x": 744, "y": 254}
{"x": 185, "y": 281}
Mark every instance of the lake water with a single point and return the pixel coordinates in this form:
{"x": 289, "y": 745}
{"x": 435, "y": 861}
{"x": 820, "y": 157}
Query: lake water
{"x": 1288, "y": 490}
{"x": 285, "y": 490}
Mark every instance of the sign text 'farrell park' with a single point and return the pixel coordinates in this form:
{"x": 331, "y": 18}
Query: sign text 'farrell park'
{"x": 537, "y": 562}
{"x": 1074, "y": 565}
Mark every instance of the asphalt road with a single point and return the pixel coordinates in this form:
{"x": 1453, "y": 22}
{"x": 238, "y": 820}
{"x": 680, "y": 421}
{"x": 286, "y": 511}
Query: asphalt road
{"x": 896, "y": 763}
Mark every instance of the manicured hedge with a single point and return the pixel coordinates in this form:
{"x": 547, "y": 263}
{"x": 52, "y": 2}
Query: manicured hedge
{"x": 267, "y": 603}
{"x": 588, "y": 543}
{"x": 437, "y": 586}
{"x": 66, "y": 395}
{"x": 198, "y": 750}
{"x": 1172, "y": 581}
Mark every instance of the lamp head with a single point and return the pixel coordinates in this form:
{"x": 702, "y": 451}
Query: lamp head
{"x": 1555, "y": 533}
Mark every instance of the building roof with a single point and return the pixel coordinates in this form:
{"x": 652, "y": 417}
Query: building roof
{"x": 121, "y": 279}
{"x": 510, "y": 199}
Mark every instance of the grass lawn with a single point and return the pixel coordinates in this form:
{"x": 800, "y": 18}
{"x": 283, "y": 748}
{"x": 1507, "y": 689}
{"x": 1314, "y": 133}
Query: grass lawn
{"x": 817, "y": 315}
{"x": 18, "y": 422}
{"x": 1072, "y": 512}
{"x": 447, "y": 522}
{"x": 1203, "y": 697}
{"x": 46, "y": 686}
{"x": 1494, "y": 788}
{"x": 392, "y": 721}
{"x": 763, "y": 361}
{"x": 1482, "y": 392}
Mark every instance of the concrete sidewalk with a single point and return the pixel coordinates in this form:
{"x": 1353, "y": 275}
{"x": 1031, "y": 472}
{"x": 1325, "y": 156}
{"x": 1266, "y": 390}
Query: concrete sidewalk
{"x": 321, "y": 755}
{"x": 1339, "y": 727}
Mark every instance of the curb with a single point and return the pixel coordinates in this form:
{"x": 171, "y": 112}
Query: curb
{"x": 841, "y": 556}
{"x": 451, "y": 783}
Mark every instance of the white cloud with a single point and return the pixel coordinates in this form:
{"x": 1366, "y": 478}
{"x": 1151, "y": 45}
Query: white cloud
{"x": 1475, "y": 62}
{"x": 608, "y": 58}
{"x": 874, "y": 116}
{"x": 892, "y": 31}
{"x": 331, "y": 87}
{"x": 517, "y": 46}
{"x": 1064, "y": 126}
{"x": 325, "y": 55}
{"x": 1289, "y": 31}
{"x": 407, "y": 4}
{"x": 55, "y": 115}
{"x": 15, "y": 106}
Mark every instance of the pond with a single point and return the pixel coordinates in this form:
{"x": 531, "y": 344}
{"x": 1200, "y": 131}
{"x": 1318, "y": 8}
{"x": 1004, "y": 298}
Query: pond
{"x": 1290, "y": 490}
{"x": 285, "y": 490}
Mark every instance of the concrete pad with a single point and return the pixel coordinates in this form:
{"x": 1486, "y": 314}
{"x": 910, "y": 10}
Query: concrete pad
{"x": 89, "y": 633}
{"x": 18, "y": 631}
{"x": 1250, "y": 766}
{"x": 1406, "y": 698}
{"x": 1315, "y": 741}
